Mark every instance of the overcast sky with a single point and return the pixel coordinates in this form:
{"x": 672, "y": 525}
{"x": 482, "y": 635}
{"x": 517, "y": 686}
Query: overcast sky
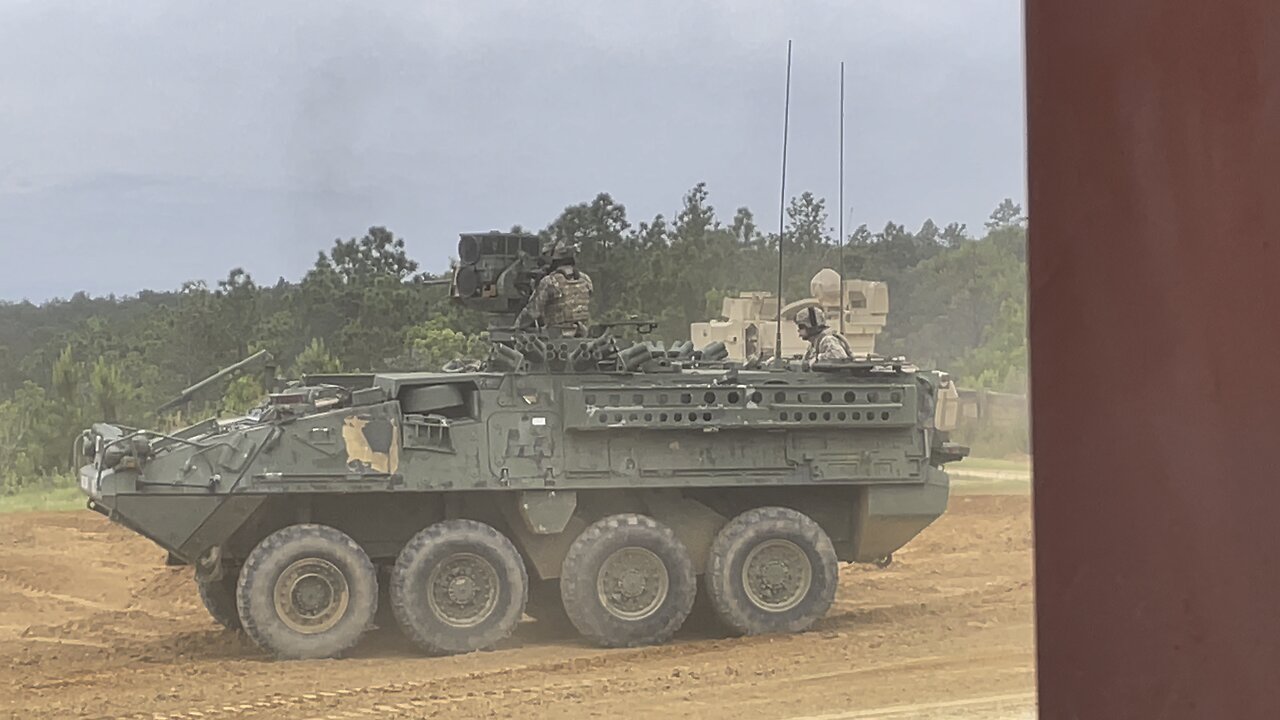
{"x": 144, "y": 143}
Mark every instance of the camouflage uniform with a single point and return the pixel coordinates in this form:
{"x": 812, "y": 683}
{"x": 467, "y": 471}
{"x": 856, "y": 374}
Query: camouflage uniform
{"x": 825, "y": 344}
{"x": 561, "y": 302}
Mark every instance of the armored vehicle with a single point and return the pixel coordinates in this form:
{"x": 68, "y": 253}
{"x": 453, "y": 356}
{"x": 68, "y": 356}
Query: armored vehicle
{"x": 599, "y": 478}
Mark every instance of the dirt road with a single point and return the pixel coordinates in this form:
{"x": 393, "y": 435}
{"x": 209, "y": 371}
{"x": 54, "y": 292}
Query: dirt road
{"x": 93, "y": 625}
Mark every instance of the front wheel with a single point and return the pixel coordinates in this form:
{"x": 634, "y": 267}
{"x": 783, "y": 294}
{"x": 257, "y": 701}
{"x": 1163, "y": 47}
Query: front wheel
{"x": 772, "y": 570}
{"x": 307, "y": 591}
{"x": 627, "y": 581}
{"x": 457, "y": 587}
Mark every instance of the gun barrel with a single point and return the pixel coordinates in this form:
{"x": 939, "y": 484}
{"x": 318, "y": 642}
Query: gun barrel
{"x": 261, "y": 356}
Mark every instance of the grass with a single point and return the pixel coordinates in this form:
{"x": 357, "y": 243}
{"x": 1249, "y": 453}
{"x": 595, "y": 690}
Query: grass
{"x": 969, "y": 486}
{"x": 990, "y": 476}
{"x": 43, "y": 499}
{"x": 981, "y": 463}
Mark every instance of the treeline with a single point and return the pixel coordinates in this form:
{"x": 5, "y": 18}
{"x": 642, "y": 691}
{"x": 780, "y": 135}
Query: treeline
{"x": 956, "y": 301}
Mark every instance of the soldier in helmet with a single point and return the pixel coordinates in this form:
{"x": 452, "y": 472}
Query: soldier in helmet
{"x": 825, "y": 344}
{"x": 561, "y": 301}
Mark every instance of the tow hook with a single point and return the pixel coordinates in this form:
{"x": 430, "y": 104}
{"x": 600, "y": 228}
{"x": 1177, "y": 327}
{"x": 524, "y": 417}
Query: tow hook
{"x": 209, "y": 564}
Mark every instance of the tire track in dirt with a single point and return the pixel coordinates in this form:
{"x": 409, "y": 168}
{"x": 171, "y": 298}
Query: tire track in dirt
{"x": 555, "y": 692}
{"x": 17, "y": 584}
{"x": 952, "y": 618}
{"x": 1025, "y": 701}
{"x": 438, "y": 694}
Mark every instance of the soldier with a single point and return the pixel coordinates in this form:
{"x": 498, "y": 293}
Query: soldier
{"x": 561, "y": 301}
{"x": 825, "y": 344}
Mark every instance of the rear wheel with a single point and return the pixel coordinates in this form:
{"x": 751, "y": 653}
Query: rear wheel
{"x": 627, "y": 581}
{"x": 771, "y": 570}
{"x": 307, "y": 591}
{"x": 219, "y": 598}
{"x": 457, "y": 587}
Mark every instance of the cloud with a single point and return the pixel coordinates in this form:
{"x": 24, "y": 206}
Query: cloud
{"x": 263, "y": 131}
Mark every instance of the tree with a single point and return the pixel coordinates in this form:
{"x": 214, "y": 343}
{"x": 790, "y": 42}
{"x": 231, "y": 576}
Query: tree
{"x": 958, "y": 303}
{"x": 807, "y": 222}
{"x": 361, "y": 297}
{"x": 432, "y": 344}
{"x": 235, "y": 311}
{"x": 744, "y": 227}
{"x": 315, "y": 359}
{"x": 108, "y": 390}
{"x": 1007, "y": 213}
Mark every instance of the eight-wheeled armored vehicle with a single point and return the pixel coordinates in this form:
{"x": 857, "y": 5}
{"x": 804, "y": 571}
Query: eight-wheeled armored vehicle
{"x": 589, "y": 476}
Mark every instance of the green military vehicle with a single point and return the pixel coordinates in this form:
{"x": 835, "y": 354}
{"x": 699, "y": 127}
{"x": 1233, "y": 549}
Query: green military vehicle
{"x": 594, "y": 477}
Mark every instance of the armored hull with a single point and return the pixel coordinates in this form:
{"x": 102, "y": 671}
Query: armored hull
{"x": 540, "y": 459}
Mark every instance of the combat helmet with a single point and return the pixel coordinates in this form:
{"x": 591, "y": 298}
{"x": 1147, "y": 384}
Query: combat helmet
{"x": 562, "y": 250}
{"x": 811, "y": 318}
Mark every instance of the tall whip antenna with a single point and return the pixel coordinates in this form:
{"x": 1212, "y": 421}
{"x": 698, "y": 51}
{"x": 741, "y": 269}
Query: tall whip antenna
{"x": 843, "y": 299}
{"x": 782, "y": 206}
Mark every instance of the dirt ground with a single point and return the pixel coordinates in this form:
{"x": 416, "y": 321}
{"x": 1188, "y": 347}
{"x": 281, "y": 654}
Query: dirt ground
{"x": 92, "y": 624}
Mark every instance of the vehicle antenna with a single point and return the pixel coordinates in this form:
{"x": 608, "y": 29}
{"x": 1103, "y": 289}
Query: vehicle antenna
{"x": 782, "y": 207}
{"x": 840, "y": 201}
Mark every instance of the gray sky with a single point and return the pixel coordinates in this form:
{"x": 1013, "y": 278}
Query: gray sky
{"x": 147, "y": 143}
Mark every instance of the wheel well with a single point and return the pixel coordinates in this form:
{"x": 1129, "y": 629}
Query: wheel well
{"x": 382, "y": 523}
{"x": 833, "y": 507}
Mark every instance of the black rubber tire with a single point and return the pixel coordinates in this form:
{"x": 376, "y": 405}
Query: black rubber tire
{"x": 580, "y": 571}
{"x": 269, "y": 560}
{"x": 729, "y": 553}
{"x": 423, "y": 553}
{"x": 219, "y": 598}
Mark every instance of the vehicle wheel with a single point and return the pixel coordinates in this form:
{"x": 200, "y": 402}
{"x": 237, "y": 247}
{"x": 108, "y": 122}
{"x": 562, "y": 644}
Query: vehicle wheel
{"x": 307, "y": 591}
{"x": 771, "y": 570}
{"x": 219, "y": 598}
{"x": 627, "y": 581}
{"x": 458, "y": 586}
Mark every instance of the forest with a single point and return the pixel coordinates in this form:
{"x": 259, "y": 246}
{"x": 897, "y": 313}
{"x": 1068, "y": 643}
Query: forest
{"x": 957, "y": 301}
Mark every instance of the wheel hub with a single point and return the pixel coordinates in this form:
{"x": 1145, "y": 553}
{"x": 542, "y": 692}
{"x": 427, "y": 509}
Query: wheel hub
{"x": 632, "y": 583}
{"x": 777, "y": 575}
{"x": 462, "y": 590}
{"x": 311, "y": 595}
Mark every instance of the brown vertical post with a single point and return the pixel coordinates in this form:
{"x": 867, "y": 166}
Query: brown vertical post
{"x": 1154, "y": 150}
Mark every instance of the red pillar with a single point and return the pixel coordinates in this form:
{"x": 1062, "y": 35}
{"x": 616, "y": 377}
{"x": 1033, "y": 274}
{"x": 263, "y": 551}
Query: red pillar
{"x": 1154, "y": 153}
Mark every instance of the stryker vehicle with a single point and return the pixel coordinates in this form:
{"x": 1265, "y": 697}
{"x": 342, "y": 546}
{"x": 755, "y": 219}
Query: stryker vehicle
{"x": 595, "y": 478}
